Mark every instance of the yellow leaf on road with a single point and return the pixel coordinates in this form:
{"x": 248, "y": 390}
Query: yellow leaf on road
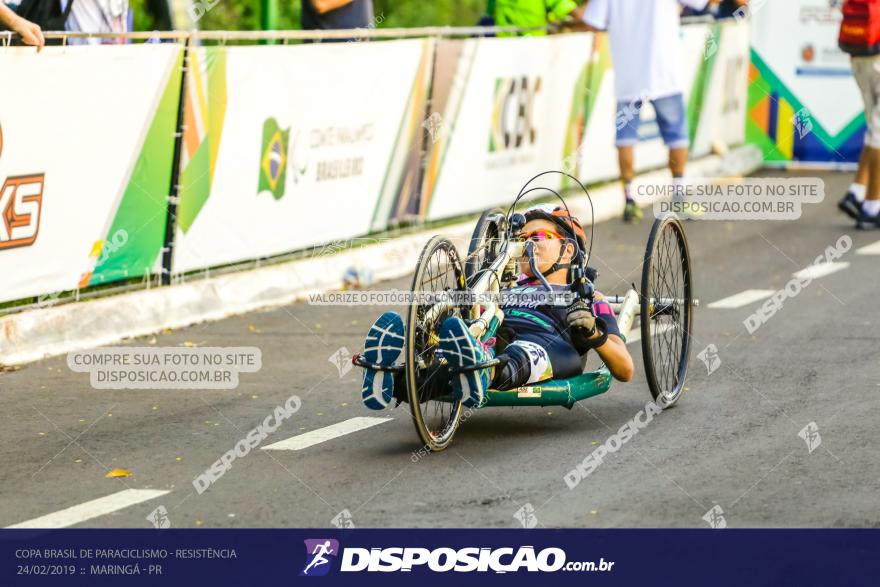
{"x": 114, "y": 473}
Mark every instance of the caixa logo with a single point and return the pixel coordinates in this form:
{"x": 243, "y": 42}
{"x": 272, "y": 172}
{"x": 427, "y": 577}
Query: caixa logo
{"x": 21, "y": 199}
{"x": 512, "y": 113}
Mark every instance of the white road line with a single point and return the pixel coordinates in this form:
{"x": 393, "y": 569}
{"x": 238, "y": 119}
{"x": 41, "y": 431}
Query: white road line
{"x": 92, "y": 509}
{"x": 873, "y": 249}
{"x": 637, "y": 335}
{"x": 320, "y": 435}
{"x": 820, "y": 270}
{"x": 743, "y": 298}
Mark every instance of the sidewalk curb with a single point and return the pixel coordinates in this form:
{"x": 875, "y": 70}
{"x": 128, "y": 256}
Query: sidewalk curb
{"x": 36, "y": 334}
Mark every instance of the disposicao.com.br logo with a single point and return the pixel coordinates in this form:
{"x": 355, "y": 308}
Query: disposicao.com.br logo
{"x": 442, "y": 560}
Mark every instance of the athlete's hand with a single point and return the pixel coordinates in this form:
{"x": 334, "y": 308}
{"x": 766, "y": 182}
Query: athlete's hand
{"x": 580, "y": 316}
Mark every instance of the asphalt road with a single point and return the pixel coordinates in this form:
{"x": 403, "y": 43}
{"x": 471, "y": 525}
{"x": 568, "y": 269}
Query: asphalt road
{"x": 731, "y": 441}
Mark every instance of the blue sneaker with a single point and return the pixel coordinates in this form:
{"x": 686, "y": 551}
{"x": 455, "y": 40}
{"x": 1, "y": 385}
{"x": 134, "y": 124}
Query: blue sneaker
{"x": 383, "y": 346}
{"x": 865, "y": 221}
{"x": 850, "y": 206}
{"x": 461, "y": 349}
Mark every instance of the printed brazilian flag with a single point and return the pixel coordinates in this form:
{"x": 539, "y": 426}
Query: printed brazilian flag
{"x": 273, "y": 163}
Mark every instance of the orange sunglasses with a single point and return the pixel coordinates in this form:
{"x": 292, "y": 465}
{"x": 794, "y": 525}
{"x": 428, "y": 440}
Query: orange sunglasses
{"x": 540, "y": 235}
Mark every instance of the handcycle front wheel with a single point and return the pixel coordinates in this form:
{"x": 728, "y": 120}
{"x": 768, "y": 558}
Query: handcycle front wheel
{"x": 438, "y": 270}
{"x": 666, "y": 309}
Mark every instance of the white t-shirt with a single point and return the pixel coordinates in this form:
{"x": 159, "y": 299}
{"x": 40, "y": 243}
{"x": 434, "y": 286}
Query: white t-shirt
{"x": 645, "y": 43}
{"x": 96, "y": 16}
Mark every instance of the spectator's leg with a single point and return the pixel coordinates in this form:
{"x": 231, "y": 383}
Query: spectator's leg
{"x": 851, "y": 203}
{"x": 627, "y": 122}
{"x": 862, "y": 174}
{"x": 678, "y": 157}
{"x": 873, "y": 192}
{"x": 869, "y": 211}
{"x": 625, "y": 157}
{"x": 626, "y": 161}
{"x": 673, "y": 125}
{"x": 872, "y": 113}
{"x": 868, "y": 77}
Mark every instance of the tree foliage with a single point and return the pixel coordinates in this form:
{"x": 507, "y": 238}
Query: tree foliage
{"x": 243, "y": 15}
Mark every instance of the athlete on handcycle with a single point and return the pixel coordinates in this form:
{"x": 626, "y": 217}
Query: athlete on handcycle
{"x": 535, "y": 343}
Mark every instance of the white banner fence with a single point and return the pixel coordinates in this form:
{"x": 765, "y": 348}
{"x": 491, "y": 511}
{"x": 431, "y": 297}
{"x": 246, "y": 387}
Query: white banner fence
{"x": 138, "y": 162}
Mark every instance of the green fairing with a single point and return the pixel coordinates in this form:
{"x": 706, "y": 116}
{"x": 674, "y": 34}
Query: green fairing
{"x": 555, "y": 392}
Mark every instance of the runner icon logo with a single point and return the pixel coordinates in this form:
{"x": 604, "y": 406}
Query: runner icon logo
{"x": 343, "y": 520}
{"x": 810, "y": 435}
{"x": 710, "y": 358}
{"x": 715, "y": 517}
{"x": 318, "y": 556}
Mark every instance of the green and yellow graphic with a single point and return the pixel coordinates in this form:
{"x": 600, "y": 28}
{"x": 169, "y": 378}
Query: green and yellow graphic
{"x": 204, "y": 117}
{"x": 134, "y": 240}
{"x": 773, "y": 123}
{"x": 273, "y": 163}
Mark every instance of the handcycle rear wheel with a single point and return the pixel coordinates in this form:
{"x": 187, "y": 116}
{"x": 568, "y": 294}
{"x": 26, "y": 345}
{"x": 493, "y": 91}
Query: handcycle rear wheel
{"x": 666, "y": 309}
{"x": 436, "y": 418}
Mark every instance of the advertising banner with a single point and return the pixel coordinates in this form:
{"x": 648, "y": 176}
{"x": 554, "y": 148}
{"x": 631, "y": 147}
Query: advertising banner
{"x": 292, "y": 146}
{"x": 85, "y": 167}
{"x": 504, "y": 117}
{"x": 803, "y": 103}
{"x": 717, "y": 102}
{"x": 548, "y": 103}
{"x": 289, "y": 147}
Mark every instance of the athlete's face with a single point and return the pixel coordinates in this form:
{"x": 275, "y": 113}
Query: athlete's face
{"x": 547, "y": 249}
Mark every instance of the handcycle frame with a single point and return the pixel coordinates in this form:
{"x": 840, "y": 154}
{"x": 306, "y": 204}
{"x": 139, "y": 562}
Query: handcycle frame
{"x": 552, "y": 392}
{"x": 664, "y": 305}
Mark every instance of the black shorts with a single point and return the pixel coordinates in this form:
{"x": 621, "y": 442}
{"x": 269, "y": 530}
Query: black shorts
{"x": 564, "y": 358}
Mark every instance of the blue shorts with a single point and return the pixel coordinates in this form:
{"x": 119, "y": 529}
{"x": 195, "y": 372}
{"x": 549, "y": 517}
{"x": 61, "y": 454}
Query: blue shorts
{"x": 671, "y": 119}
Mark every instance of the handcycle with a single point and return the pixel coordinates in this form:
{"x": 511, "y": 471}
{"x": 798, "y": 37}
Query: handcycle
{"x": 664, "y": 308}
